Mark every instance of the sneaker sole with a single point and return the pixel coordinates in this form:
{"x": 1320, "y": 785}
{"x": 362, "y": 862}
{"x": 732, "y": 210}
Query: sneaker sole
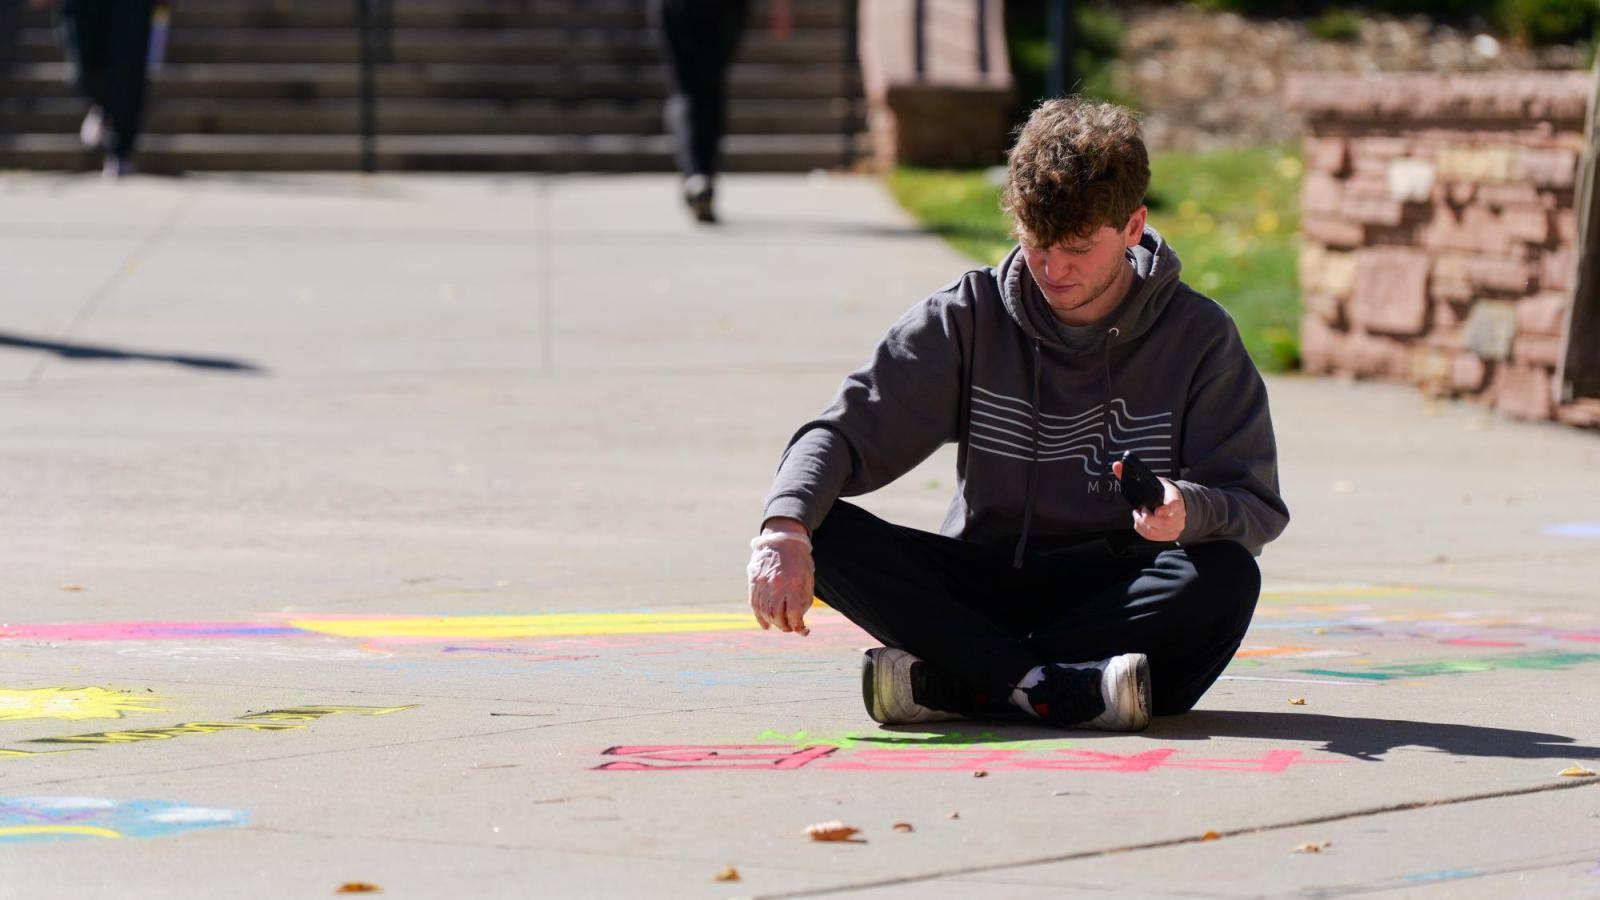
{"x": 878, "y": 676}
{"x": 1130, "y": 675}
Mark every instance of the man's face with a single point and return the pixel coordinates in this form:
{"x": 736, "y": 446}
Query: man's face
{"x": 1076, "y": 274}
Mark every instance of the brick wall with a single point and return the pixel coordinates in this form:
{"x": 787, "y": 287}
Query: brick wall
{"x": 1440, "y": 232}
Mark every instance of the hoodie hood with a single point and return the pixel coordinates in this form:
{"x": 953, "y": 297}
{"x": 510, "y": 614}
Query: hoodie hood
{"x": 1155, "y": 268}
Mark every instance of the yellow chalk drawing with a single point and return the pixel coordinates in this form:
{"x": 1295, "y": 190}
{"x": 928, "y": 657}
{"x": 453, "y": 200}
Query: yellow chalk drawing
{"x": 1340, "y": 592}
{"x": 73, "y": 703}
{"x": 59, "y": 829}
{"x": 556, "y": 625}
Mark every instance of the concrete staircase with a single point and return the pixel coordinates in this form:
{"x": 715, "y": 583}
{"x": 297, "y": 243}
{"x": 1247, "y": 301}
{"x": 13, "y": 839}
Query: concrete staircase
{"x": 463, "y": 85}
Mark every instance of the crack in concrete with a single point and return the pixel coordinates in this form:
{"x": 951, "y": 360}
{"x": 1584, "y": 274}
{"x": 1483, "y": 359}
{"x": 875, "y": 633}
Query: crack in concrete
{"x": 1170, "y": 842}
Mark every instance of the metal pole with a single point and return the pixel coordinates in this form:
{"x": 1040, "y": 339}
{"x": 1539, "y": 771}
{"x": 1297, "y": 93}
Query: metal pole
{"x": 369, "y": 99}
{"x": 1578, "y": 372}
{"x": 983, "y": 38}
{"x": 849, "y": 81}
{"x": 919, "y": 36}
{"x": 1061, "y": 78}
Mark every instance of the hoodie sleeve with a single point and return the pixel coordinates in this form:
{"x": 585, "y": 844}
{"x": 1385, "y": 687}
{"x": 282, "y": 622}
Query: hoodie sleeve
{"x": 1229, "y": 458}
{"x": 888, "y": 416}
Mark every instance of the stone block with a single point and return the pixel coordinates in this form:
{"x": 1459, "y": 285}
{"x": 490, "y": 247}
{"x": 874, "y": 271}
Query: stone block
{"x": 1549, "y": 168}
{"x": 1325, "y": 307}
{"x": 1321, "y": 193}
{"x": 1430, "y": 367}
{"x": 1327, "y": 271}
{"x": 1558, "y": 270}
{"x": 1468, "y": 372}
{"x": 1480, "y": 163}
{"x": 1537, "y": 350}
{"x": 1529, "y": 224}
{"x": 1512, "y": 194}
{"x": 1446, "y": 318}
{"x": 1460, "y": 193}
{"x": 1369, "y": 210}
{"x": 1583, "y": 412}
{"x": 1320, "y": 344}
{"x": 1544, "y": 313}
{"x": 1327, "y": 154}
{"x": 1523, "y": 392}
{"x": 1567, "y": 226}
{"x": 1411, "y": 180}
{"x": 1450, "y": 290}
{"x": 1391, "y": 290}
{"x": 1491, "y": 326}
{"x": 1333, "y": 231}
{"x": 1497, "y": 273}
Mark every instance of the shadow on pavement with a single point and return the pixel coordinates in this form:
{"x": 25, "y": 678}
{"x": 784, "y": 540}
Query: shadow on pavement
{"x": 1369, "y": 739}
{"x": 1366, "y": 739}
{"x": 93, "y": 352}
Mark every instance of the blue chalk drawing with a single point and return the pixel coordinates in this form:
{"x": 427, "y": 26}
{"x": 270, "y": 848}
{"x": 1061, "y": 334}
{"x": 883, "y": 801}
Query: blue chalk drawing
{"x": 1574, "y": 530}
{"x": 66, "y": 818}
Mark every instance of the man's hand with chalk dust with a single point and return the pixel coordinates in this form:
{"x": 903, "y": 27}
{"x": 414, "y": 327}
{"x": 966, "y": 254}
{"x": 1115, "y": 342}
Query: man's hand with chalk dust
{"x": 782, "y": 576}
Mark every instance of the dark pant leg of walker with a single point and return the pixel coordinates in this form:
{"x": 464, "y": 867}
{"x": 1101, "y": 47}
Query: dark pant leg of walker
{"x": 128, "y": 56}
{"x": 1187, "y": 608}
{"x": 699, "y": 40}
{"x": 85, "y": 36}
{"x": 941, "y": 599}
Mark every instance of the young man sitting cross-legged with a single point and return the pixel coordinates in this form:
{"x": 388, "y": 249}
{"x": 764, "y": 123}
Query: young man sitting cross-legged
{"x": 1043, "y": 595}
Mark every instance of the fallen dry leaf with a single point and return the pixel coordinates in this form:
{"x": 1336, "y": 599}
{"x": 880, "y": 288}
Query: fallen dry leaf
{"x": 954, "y": 815}
{"x": 1577, "y": 771}
{"x": 73, "y": 587}
{"x": 1211, "y": 836}
{"x": 1311, "y": 847}
{"x": 980, "y": 773}
{"x": 903, "y": 826}
{"x": 728, "y": 874}
{"x": 358, "y": 887}
{"x": 831, "y": 831}
{"x": 1297, "y": 701}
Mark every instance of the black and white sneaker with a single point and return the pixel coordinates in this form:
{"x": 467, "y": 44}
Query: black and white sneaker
{"x": 1109, "y": 695}
{"x": 900, "y": 689}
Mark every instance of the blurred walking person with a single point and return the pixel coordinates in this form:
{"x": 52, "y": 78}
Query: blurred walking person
{"x": 699, "y": 38}
{"x": 108, "y": 49}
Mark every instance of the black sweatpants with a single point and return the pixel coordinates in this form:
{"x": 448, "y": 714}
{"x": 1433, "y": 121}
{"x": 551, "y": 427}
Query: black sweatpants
{"x": 108, "y": 45}
{"x": 965, "y": 609}
{"x": 699, "y": 38}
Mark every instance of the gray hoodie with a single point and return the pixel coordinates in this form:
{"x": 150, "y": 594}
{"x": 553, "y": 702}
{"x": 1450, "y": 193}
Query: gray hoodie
{"x": 1039, "y": 411}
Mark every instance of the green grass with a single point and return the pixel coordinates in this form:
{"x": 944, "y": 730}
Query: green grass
{"x": 1232, "y": 217}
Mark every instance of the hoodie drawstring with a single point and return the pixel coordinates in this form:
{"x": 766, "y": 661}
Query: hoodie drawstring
{"x": 1105, "y": 415}
{"x": 1033, "y": 465}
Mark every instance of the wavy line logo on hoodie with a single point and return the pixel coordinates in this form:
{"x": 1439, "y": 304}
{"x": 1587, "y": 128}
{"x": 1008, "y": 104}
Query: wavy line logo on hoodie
{"x": 1003, "y": 425}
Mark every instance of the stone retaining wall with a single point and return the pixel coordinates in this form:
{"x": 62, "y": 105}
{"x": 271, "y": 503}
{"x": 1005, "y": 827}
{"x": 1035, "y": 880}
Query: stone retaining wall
{"x": 1440, "y": 237}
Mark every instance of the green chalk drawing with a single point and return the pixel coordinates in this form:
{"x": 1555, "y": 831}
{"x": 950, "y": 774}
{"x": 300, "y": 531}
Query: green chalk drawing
{"x": 846, "y": 740}
{"x": 1543, "y": 662}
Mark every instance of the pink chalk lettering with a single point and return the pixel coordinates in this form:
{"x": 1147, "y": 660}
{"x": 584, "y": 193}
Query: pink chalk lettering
{"x": 766, "y": 757}
{"x": 1095, "y": 761}
{"x": 897, "y": 760}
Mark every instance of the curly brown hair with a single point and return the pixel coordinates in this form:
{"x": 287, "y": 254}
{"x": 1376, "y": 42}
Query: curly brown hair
{"x": 1077, "y": 165}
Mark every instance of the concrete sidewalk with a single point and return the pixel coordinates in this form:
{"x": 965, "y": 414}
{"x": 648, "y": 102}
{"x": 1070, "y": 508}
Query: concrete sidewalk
{"x": 393, "y": 531}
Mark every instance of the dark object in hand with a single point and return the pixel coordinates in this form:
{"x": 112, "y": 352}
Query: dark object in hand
{"x": 1140, "y": 486}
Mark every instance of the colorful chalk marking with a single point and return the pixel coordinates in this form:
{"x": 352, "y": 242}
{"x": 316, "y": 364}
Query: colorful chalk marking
{"x": 58, "y": 818}
{"x": 452, "y": 628}
{"x": 783, "y": 758}
{"x": 1543, "y": 662}
{"x": 73, "y": 703}
{"x": 142, "y": 631}
{"x": 290, "y": 719}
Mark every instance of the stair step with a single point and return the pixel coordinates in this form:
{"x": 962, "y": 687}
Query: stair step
{"x": 510, "y": 46}
{"x": 485, "y": 14}
{"x": 191, "y": 116}
{"x": 501, "y": 153}
{"x": 307, "y": 81}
